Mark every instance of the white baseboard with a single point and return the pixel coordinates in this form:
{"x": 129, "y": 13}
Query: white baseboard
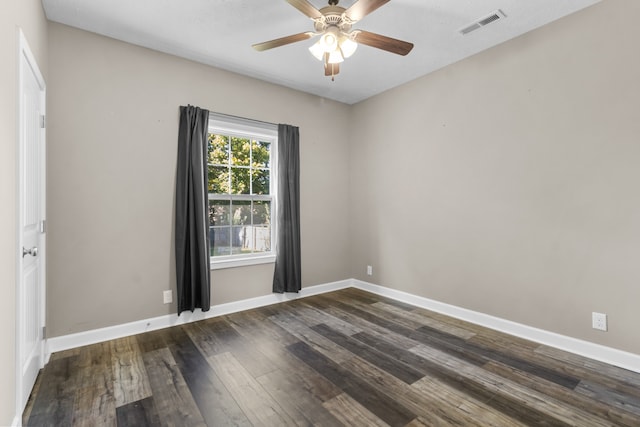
{"x": 80, "y": 339}
{"x": 584, "y": 348}
{"x": 598, "y": 352}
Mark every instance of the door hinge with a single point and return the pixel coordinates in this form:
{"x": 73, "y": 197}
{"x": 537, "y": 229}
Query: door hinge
{"x": 43, "y": 226}
{"x": 43, "y": 121}
{"x": 44, "y": 332}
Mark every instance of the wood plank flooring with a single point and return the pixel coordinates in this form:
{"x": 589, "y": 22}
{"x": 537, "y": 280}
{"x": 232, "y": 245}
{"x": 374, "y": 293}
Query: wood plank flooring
{"x": 344, "y": 358}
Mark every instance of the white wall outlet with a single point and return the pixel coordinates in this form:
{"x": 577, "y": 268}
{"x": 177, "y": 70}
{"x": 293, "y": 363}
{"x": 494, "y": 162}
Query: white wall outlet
{"x": 167, "y": 297}
{"x": 599, "y": 321}
{"x": 369, "y": 270}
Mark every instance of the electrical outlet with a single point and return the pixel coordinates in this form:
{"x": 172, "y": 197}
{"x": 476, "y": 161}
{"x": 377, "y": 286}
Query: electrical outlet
{"x": 167, "y": 296}
{"x": 599, "y": 321}
{"x": 369, "y": 270}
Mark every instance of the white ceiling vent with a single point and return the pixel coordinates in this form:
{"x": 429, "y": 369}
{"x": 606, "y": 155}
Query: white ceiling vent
{"x": 493, "y": 17}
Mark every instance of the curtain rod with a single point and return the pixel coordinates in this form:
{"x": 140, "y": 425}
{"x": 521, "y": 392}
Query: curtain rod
{"x": 243, "y": 118}
{"x": 238, "y": 117}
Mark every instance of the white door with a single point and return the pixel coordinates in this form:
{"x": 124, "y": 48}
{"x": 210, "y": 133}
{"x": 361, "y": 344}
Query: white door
{"x": 31, "y": 225}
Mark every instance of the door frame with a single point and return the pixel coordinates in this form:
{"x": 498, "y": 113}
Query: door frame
{"x": 27, "y": 64}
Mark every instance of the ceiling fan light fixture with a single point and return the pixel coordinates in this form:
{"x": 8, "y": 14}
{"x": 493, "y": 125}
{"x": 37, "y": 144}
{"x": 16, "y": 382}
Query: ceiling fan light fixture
{"x": 317, "y": 50}
{"x": 335, "y": 57}
{"x": 348, "y": 46}
{"x": 329, "y": 40}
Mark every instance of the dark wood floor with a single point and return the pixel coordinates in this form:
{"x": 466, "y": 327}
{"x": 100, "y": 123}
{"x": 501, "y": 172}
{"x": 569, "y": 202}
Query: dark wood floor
{"x": 344, "y": 358}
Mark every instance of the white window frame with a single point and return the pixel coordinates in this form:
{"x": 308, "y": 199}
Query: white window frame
{"x": 222, "y": 124}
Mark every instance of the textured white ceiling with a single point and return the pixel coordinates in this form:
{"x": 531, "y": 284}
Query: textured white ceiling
{"x": 221, "y": 32}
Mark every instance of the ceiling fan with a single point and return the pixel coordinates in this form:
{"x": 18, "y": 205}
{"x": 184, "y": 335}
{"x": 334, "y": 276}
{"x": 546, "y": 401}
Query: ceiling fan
{"x": 337, "y": 40}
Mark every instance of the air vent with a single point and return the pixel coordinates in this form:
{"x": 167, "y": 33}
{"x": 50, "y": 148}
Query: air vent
{"x": 495, "y": 16}
{"x": 470, "y": 28}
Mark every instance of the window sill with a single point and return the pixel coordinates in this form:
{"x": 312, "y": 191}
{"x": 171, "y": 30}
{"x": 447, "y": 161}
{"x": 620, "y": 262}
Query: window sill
{"x": 219, "y": 264}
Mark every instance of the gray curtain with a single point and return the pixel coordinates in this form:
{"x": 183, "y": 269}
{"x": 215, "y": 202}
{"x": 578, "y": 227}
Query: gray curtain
{"x": 192, "y": 229}
{"x": 287, "y": 276}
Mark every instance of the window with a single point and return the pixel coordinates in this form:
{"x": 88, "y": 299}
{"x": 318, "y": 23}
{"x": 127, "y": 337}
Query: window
{"x": 241, "y": 156}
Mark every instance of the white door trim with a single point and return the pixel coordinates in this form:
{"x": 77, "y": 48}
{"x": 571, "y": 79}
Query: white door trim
{"x": 27, "y": 64}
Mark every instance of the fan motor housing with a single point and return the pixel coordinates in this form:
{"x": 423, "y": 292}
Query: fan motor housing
{"x": 332, "y": 15}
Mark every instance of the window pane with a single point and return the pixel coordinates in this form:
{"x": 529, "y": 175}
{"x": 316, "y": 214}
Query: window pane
{"x": 260, "y": 181}
{"x": 240, "y": 181}
{"x": 240, "y": 151}
{"x": 220, "y": 241}
{"x": 239, "y": 240}
{"x": 218, "y": 149}
{"x": 241, "y": 211}
{"x": 261, "y": 230}
{"x": 241, "y": 221}
{"x": 219, "y": 180}
{"x": 262, "y": 212}
{"x": 259, "y": 238}
{"x": 219, "y": 211}
{"x": 261, "y": 154}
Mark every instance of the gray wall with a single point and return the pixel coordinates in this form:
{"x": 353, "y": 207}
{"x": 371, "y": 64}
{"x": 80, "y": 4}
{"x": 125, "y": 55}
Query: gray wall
{"x": 112, "y": 157}
{"x": 28, "y": 15}
{"x": 508, "y": 182}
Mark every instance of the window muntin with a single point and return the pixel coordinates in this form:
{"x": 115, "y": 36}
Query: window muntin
{"x": 241, "y": 192}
